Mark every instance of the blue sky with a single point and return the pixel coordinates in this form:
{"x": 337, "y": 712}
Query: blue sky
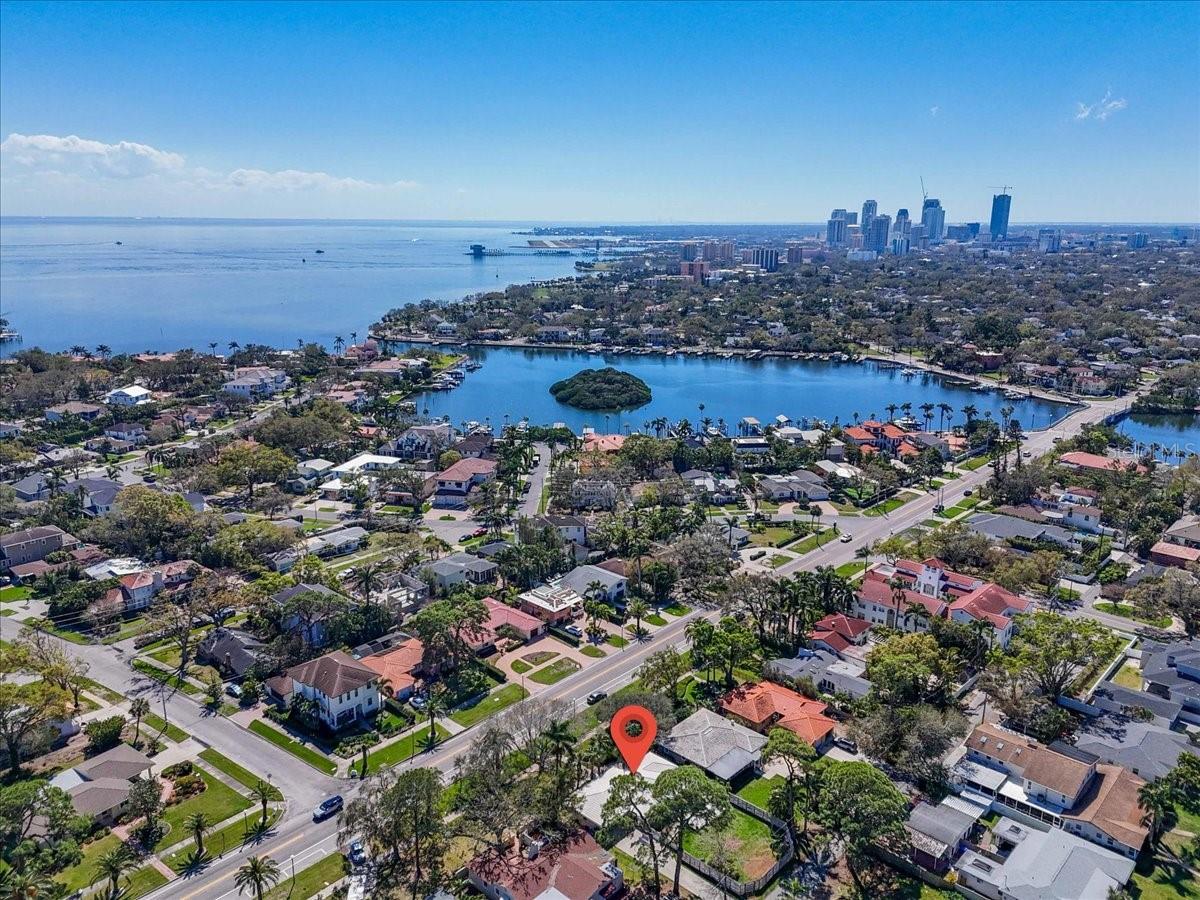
{"x": 599, "y": 112}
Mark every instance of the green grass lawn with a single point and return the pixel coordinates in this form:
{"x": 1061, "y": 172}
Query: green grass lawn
{"x": 538, "y": 657}
{"x": 162, "y": 677}
{"x": 127, "y": 629}
{"x": 778, "y": 559}
{"x": 850, "y": 569}
{"x": 490, "y": 705}
{"x": 655, "y": 619}
{"x": 1129, "y": 611}
{"x": 1130, "y": 676}
{"x": 890, "y": 505}
{"x": 311, "y": 880}
{"x": 66, "y": 634}
{"x": 617, "y": 641}
{"x": 593, "y": 651}
{"x": 153, "y": 724}
{"x": 811, "y": 542}
{"x": 241, "y": 775}
{"x": 301, "y": 751}
{"x": 977, "y": 462}
{"x": 759, "y": 790}
{"x": 751, "y": 845}
{"x": 218, "y": 802}
{"x": 224, "y": 839}
{"x": 403, "y": 749}
{"x": 1156, "y": 878}
{"x": 556, "y": 671}
{"x": 520, "y": 667}
{"x": 101, "y": 691}
{"x": 677, "y": 610}
{"x": 772, "y": 536}
{"x": 14, "y": 593}
{"x": 85, "y": 872}
{"x": 143, "y": 881}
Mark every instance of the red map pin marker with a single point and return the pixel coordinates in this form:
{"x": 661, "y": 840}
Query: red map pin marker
{"x": 633, "y": 749}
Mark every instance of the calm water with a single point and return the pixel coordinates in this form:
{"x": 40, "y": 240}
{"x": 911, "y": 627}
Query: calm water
{"x": 183, "y": 283}
{"x": 1171, "y": 432}
{"x": 516, "y": 382}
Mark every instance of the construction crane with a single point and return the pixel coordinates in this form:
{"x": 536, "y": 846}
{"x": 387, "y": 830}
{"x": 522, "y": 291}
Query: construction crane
{"x": 1004, "y": 189}
{"x": 924, "y": 193}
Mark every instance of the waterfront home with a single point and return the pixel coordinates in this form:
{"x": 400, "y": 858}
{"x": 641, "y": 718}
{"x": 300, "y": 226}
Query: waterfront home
{"x": 32, "y": 545}
{"x": 594, "y": 583}
{"x": 130, "y": 395}
{"x": 99, "y": 787}
{"x": 554, "y": 605}
{"x": 1028, "y": 863}
{"x": 256, "y": 382}
{"x": 454, "y": 485}
{"x": 1058, "y": 785}
{"x": 474, "y": 446}
{"x": 766, "y": 705}
{"x": 87, "y": 412}
{"x": 753, "y": 445}
{"x": 556, "y": 334}
{"x": 721, "y": 747}
{"x": 388, "y": 368}
{"x": 607, "y": 444}
{"x": 343, "y": 688}
{"x": 539, "y": 868}
{"x": 460, "y": 568}
{"x": 421, "y": 441}
{"x": 1094, "y": 462}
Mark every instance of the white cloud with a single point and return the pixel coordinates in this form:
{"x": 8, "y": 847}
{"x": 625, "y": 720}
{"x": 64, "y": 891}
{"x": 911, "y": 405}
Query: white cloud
{"x": 49, "y": 157}
{"x": 934, "y": 110}
{"x": 1100, "y": 112}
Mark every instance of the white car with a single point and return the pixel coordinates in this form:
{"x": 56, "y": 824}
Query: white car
{"x": 846, "y": 537}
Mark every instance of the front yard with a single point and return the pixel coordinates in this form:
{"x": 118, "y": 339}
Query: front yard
{"x": 490, "y": 705}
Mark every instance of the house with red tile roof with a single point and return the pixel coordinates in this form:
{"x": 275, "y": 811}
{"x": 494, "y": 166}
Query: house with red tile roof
{"x": 992, "y": 604}
{"x": 536, "y": 868}
{"x": 397, "y": 668}
{"x": 603, "y": 443}
{"x": 838, "y": 632}
{"x": 767, "y": 705}
{"x": 1094, "y": 462}
{"x": 500, "y": 614}
{"x": 881, "y": 602}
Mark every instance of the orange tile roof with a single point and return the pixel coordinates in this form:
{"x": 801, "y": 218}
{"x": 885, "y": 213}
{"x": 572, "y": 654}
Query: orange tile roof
{"x": 604, "y": 443}
{"x": 1102, "y": 463}
{"x": 770, "y": 705}
{"x": 396, "y": 666}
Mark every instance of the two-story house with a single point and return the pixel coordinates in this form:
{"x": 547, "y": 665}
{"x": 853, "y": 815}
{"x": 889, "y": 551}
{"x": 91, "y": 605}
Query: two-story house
{"x": 32, "y": 545}
{"x": 454, "y": 485}
{"x": 342, "y": 688}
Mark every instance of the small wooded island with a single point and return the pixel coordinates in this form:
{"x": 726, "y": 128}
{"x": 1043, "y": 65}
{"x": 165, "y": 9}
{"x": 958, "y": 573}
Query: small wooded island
{"x": 606, "y": 388}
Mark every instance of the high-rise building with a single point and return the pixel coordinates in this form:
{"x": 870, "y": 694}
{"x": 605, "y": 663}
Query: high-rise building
{"x": 697, "y": 270}
{"x": 1001, "y": 205}
{"x": 795, "y": 254}
{"x": 918, "y": 237}
{"x": 902, "y": 221}
{"x": 964, "y": 232}
{"x": 899, "y": 245}
{"x": 854, "y": 236}
{"x": 878, "y": 235}
{"x": 933, "y": 217}
{"x": 851, "y": 218}
{"x": 1137, "y": 241}
{"x": 1049, "y": 240}
{"x": 766, "y": 258}
{"x": 869, "y": 211}
{"x": 835, "y": 229}
{"x": 718, "y": 251}
{"x": 688, "y": 252}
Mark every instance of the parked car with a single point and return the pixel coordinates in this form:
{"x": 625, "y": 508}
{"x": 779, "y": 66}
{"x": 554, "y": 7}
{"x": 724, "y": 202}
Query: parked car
{"x": 758, "y": 554}
{"x": 846, "y": 537}
{"x": 418, "y": 701}
{"x": 329, "y": 807}
{"x": 149, "y": 478}
{"x": 573, "y": 630}
{"x": 846, "y": 744}
{"x": 234, "y": 690}
{"x": 479, "y": 532}
{"x": 358, "y": 853}
{"x": 595, "y": 697}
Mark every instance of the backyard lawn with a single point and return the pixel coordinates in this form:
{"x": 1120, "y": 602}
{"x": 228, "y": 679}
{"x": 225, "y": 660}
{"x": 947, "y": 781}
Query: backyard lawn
{"x": 314, "y": 758}
{"x": 14, "y": 593}
{"x": 556, "y": 671}
{"x": 218, "y": 802}
{"x": 750, "y": 845}
{"x": 490, "y": 705}
{"x": 759, "y": 790}
{"x": 1129, "y": 676}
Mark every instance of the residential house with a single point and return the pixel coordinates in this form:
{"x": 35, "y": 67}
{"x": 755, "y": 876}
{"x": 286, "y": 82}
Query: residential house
{"x": 1030, "y": 863}
{"x": 474, "y": 446}
{"x": 398, "y": 668}
{"x": 828, "y": 672}
{"x": 337, "y": 542}
{"x": 800, "y": 485}
{"x": 609, "y": 586}
{"x": 1058, "y": 785}
{"x": 87, "y": 412}
{"x": 719, "y": 490}
{"x": 766, "y": 705}
{"x": 904, "y": 609}
{"x": 594, "y": 795}
{"x": 554, "y": 605}
{"x": 1172, "y": 671}
{"x": 454, "y": 485}
{"x": 992, "y": 604}
{"x": 534, "y": 868}
{"x": 838, "y": 632}
{"x": 99, "y": 787}
{"x": 130, "y": 395}
{"x": 937, "y": 834}
{"x": 343, "y": 688}
{"x": 720, "y": 746}
{"x": 421, "y": 441}
{"x": 342, "y": 478}
{"x": 569, "y": 528}
{"x": 308, "y": 620}
{"x": 129, "y": 432}
{"x": 1094, "y": 462}
{"x": 501, "y": 615}
{"x": 593, "y": 493}
{"x": 1146, "y": 748}
{"x": 309, "y": 474}
{"x": 1000, "y": 528}
{"x": 1178, "y": 556}
{"x": 32, "y": 545}
{"x": 256, "y": 382}
{"x": 388, "y": 368}
{"x": 1185, "y": 532}
{"x": 460, "y": 568}
{"x": 230, "y": 651}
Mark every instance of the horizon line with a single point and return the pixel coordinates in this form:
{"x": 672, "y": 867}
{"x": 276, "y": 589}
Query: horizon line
{"x": 544, "y": 222}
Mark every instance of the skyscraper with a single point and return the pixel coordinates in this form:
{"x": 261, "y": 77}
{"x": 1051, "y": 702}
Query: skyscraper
{"x": 1049, "y": 240}
{"x": 933, "y": 217}
{"x": 1001, "y": 204}
{"x": 902, "y": 221}
{"x": 766, "y": 258}
{"x": 876, "y": 237}
{"x": 870, "y": 208}
{"x": 835, "y": 229}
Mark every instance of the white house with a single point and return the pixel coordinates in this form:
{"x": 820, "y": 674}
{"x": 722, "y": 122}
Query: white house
{"x": 130, "y": 395}
{"x": 253, "y": 382}
{"x": 343, "y": 689}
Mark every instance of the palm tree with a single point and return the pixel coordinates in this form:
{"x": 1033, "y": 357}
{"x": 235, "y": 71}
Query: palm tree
{"x": 113, "y": 865}
{"x": 28, "y": 884}
{"x": 263, "y": 793}
{"x": 891, "y": 411}
{"x": 104, "y": 350}
{"x": 636, "y": 608}
{"x": 212, "y": 346}
{"x": 560, "y": 739}
{"x": 197, "y": 825}
{"x": 138, "y": 707}
{"x": 339, "y": 344}
{"x": 1157, "y": 800}
{"x": 970, "y": 411}
{"x": 368, "y": 579}
{"x": 259, "y": 873}
{"x": 944, "y": 409}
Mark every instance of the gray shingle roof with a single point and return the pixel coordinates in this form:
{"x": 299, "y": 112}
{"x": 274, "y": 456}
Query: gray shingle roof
{"x": 716, "y": 744}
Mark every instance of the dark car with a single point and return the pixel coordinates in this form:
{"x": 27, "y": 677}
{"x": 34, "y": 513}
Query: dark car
{"x": 846, "y": 744}
{"x": 328, "y": 808}
{"x": 358, "y": 853}
{"x": 595, "y": 697}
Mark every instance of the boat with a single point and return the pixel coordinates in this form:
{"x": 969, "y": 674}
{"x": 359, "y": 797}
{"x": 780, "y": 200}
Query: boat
{"x": 908, "y": 373}
{"x": 118, "y": 243}
{"x": 320, "y": 251}
{"x": 1010, "y": 394}
{"x": 7, "y": 335}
